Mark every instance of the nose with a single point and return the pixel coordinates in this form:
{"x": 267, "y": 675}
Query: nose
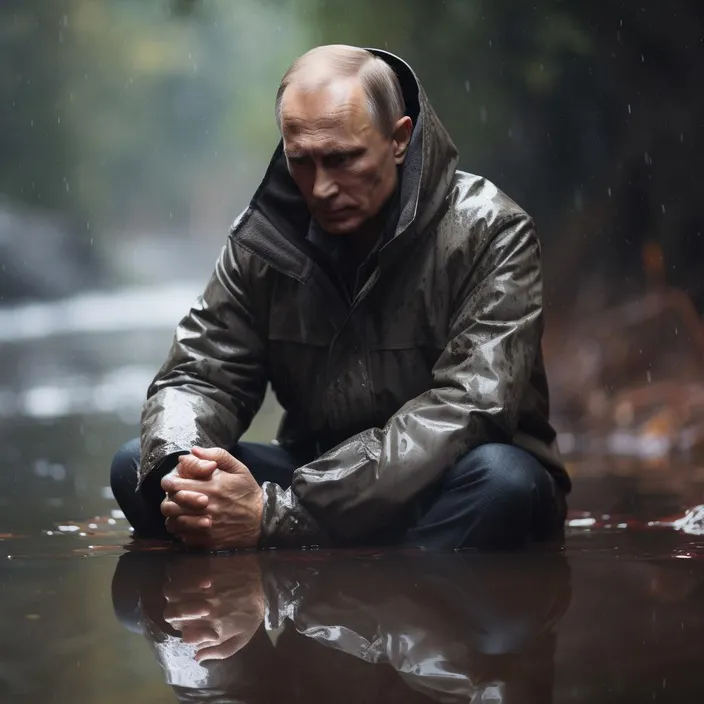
{"x": 324, "y": 187}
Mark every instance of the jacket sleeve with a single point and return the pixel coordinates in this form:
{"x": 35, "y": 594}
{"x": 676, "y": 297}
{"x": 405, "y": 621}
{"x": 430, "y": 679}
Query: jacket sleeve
{"x": 213, "y": 381}
{"x": 477, "y": 386}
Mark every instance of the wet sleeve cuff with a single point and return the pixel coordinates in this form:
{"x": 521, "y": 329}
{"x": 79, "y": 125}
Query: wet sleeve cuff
{"x": 151, "y": 486}
{"x": 286, "y": 523}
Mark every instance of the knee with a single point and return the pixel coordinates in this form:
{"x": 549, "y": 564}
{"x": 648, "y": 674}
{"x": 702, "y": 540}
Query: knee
{"x": 124, "y": 465}
{"x": 504, "y": 472}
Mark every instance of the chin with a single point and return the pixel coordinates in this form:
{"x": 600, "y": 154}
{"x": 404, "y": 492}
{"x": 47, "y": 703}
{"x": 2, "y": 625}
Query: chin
{"x": 341, "y": 227}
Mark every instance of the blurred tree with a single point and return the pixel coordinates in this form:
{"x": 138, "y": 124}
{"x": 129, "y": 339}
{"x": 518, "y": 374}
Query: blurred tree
{"x": 586, "y": 113}
{"x": 35, "y": 159}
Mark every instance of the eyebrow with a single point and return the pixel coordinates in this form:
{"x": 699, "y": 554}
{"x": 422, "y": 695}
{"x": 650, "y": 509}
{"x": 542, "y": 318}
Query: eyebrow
{"x": 351, "y": 151}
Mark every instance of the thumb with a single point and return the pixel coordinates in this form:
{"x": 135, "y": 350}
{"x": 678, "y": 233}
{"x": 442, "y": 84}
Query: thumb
{"x": 224, "y": 460}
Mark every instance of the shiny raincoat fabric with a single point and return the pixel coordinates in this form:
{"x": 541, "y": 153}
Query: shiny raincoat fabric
{"x": 438, "y": 352}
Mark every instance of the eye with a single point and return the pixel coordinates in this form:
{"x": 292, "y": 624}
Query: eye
{"x": 335, "y": 160}
{"x": 296, "y": 160}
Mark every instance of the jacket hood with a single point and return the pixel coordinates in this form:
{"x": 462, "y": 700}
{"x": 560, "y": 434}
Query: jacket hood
{"x": 426, "y": 176}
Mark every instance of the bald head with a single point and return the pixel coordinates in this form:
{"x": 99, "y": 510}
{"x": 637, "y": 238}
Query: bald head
{"x": 332, "y": 68}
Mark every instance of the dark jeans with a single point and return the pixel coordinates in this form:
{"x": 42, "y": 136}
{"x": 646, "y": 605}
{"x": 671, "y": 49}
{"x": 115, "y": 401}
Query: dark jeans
{"x": 496, "y": 496}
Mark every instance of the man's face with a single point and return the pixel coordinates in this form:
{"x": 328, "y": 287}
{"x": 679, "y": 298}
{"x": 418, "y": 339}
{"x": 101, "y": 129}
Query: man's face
{"x": 342, "y": 164}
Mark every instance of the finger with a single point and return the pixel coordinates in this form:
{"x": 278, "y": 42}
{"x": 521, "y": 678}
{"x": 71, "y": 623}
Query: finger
{"x": 177, "y": 613}
{"x": 187, "y": 587}
{"x": 222, "y": 651}
{"x": 172, "y": 483}
{"x": 190, "y": 500}
{"x": 192, "y": 467}
{"x": 224, "y": 460}
{"x": 184, "y": 525}
{"x": 195, "y": 634}
{"x": 170, "y": 527}
{"x": 170, "y": 509}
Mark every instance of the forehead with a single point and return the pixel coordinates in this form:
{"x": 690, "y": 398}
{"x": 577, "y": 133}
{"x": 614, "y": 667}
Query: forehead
{"x": 333, "y": 112}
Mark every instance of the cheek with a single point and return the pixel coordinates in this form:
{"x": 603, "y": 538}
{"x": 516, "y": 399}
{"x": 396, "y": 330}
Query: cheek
{"x": 363, "y": 184}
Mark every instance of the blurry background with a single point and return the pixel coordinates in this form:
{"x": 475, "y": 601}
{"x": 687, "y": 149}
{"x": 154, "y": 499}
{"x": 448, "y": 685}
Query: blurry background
{"x": 132, "y": 133}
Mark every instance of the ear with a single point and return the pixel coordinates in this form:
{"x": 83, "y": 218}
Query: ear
{"x": 401, "y": 138}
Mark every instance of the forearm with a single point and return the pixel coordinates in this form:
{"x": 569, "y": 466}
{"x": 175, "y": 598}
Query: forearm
{"x": 213, "y": 381}
{"x": 175, "y": 419}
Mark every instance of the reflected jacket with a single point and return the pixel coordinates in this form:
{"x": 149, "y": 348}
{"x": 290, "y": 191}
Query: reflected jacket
{"x": 437, "y": 352}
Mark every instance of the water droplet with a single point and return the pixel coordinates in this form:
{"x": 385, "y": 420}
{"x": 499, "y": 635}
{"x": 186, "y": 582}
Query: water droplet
{"x": 629, "y": 108}
{"x": 578, "y": 200}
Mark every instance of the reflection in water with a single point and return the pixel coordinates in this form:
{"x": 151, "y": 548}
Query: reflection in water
{"x": 315, "y": 627}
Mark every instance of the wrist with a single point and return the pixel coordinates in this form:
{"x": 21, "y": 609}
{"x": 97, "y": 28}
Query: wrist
{"x": 259, "y": 513}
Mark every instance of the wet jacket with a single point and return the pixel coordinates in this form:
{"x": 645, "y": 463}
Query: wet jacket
{"x": 436, "y": 353}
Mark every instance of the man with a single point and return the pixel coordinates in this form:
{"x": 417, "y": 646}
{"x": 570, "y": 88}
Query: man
{"x": 394, "y": 304}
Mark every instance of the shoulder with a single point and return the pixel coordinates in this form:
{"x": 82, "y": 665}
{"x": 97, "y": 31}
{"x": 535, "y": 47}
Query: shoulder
{"x": 475, "y": 200}
{"x": 483, "y": 229}
{"x": 480, "y": 216}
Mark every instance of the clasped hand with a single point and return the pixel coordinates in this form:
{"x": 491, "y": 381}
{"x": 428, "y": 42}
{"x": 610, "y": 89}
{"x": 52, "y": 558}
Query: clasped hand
{"x": 212, "y": 501}
{"x": 216, "y": 602}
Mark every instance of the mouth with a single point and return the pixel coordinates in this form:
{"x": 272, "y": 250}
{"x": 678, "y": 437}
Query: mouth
{"x": 338, "y": 214}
